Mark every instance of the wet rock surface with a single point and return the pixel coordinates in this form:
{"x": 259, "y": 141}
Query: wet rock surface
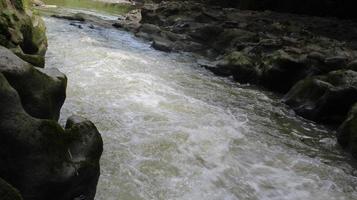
{"x": 23, "y": 32}
{"x": 42, "y": 91}
{"x": 347, "y": 133}
{"x": 39, "y": 159}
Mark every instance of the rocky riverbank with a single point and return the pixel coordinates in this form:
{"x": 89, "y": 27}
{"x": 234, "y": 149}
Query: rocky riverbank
{"x": 310, "y": 60}
{"x": 39, "y": 159}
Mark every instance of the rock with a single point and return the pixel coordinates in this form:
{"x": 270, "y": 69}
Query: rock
{"x": 150, "y": 29}
{"x": 75, "y": 17}
{"x": 240, "y": 66}
{"x": 42, "y": 91}
{"x": 42, "y": 160}
{"x": 23, "y": 32}
{"x": 7, "y": 192}
{"x": 325, "y": 99}
{"x": 336, "y": 62}
{"x": 162, "y": 44}
{"x": 76, "y": 25}
{"x": 230, "y": 38}
{"x": 206, "y": 33}
{"x": 37, "y": 2}
{"x": 352, "y": 65}
{"x": 282, "y": 70}
{"x": 347, "y": 133}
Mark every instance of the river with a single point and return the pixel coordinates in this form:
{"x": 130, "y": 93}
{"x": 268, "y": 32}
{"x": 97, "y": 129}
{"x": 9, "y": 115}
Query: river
{"x": 172, "y": 130}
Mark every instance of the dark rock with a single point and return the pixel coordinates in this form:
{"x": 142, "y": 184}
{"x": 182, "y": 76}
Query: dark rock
{"x": 326, "y": 98}
{"x": 282, "y": 70}
{"x": 42, "y": 160}
{"x": 150, "y": 29}
{"x": 336, "y": 62}
{"x": 42, "y": 91}
{"x": 352, "y": 65}
{"x": 347, "y": 133}
{"x": 240, "y": 66}
{"x": 7, "y": 192}
{"x": 76, "y": 25}
{"x": 162, "y": 44}
{"x": 22, "y": 33}
{"x": 230, "y": 38}
{"x": 75, "y": 17}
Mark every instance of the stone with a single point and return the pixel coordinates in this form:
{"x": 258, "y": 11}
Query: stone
{"x": 7, "y": 192}
{"x": 352, "y": 65}
{"x": 42, "y": 91}
{"x": 347, "y": 132}
{"x": 43, "y": 160}
{"x": 281, "y": 70}
{"x": 240, "y": 66}
{"x": 23, "y": 32}
{"x": 162, "y": 44}
{"x": 326, "y": 98}
{"x": 75, "y": 17}
{"x": 336, "y": 61}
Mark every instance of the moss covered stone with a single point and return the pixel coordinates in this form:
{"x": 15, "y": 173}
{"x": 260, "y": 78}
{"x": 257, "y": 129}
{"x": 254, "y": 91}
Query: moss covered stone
{"x": 326, "y": 98}
{"x": 23, "y": 32}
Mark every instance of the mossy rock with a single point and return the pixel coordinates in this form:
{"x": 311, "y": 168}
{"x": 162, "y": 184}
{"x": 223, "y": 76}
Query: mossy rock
{"x": 281, "y": 70}
{"x": 326, "y": 98}
{"x": 238, "y": 65}
{"x": 23, "y": 32}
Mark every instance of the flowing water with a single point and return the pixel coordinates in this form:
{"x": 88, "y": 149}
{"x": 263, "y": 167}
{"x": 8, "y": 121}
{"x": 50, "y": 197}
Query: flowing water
{"x": 172, "y": 130}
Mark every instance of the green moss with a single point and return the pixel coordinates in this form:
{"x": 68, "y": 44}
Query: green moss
{"x": 238, "y": 58}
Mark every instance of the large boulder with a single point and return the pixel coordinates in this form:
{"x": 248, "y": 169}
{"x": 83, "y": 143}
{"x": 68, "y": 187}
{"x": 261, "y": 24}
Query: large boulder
{"x": 42, "y": 91}
{"x": 347, "y": 133}
{"x": 282, "y": 70}
{"x": 326, "y": 98}
{"x": 43, "y": 160}
{"x": 22, "y": 32}
{"x": 238, "y": 65}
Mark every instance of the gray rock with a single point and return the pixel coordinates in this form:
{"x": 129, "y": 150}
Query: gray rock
{"x": 347, "y": 133}
{"x": 42, "y": 91}
{"x": 326, "y": 98}
{"x": 42, "y": 160}
{"x": 162, "y": 44}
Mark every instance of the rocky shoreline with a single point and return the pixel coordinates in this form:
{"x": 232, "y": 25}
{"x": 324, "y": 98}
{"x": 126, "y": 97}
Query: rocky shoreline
{"x": 39, "y": 159}
{"x": 310, "y": 60}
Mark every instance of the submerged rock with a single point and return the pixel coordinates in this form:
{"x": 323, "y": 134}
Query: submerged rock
{"x": 325, "y": 98}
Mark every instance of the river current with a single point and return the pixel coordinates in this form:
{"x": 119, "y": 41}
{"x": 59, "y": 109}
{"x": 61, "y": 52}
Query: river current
{"x": 172, "y": 130}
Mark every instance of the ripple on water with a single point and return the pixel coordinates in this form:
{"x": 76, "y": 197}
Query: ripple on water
{"x": 173, "y": 131}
